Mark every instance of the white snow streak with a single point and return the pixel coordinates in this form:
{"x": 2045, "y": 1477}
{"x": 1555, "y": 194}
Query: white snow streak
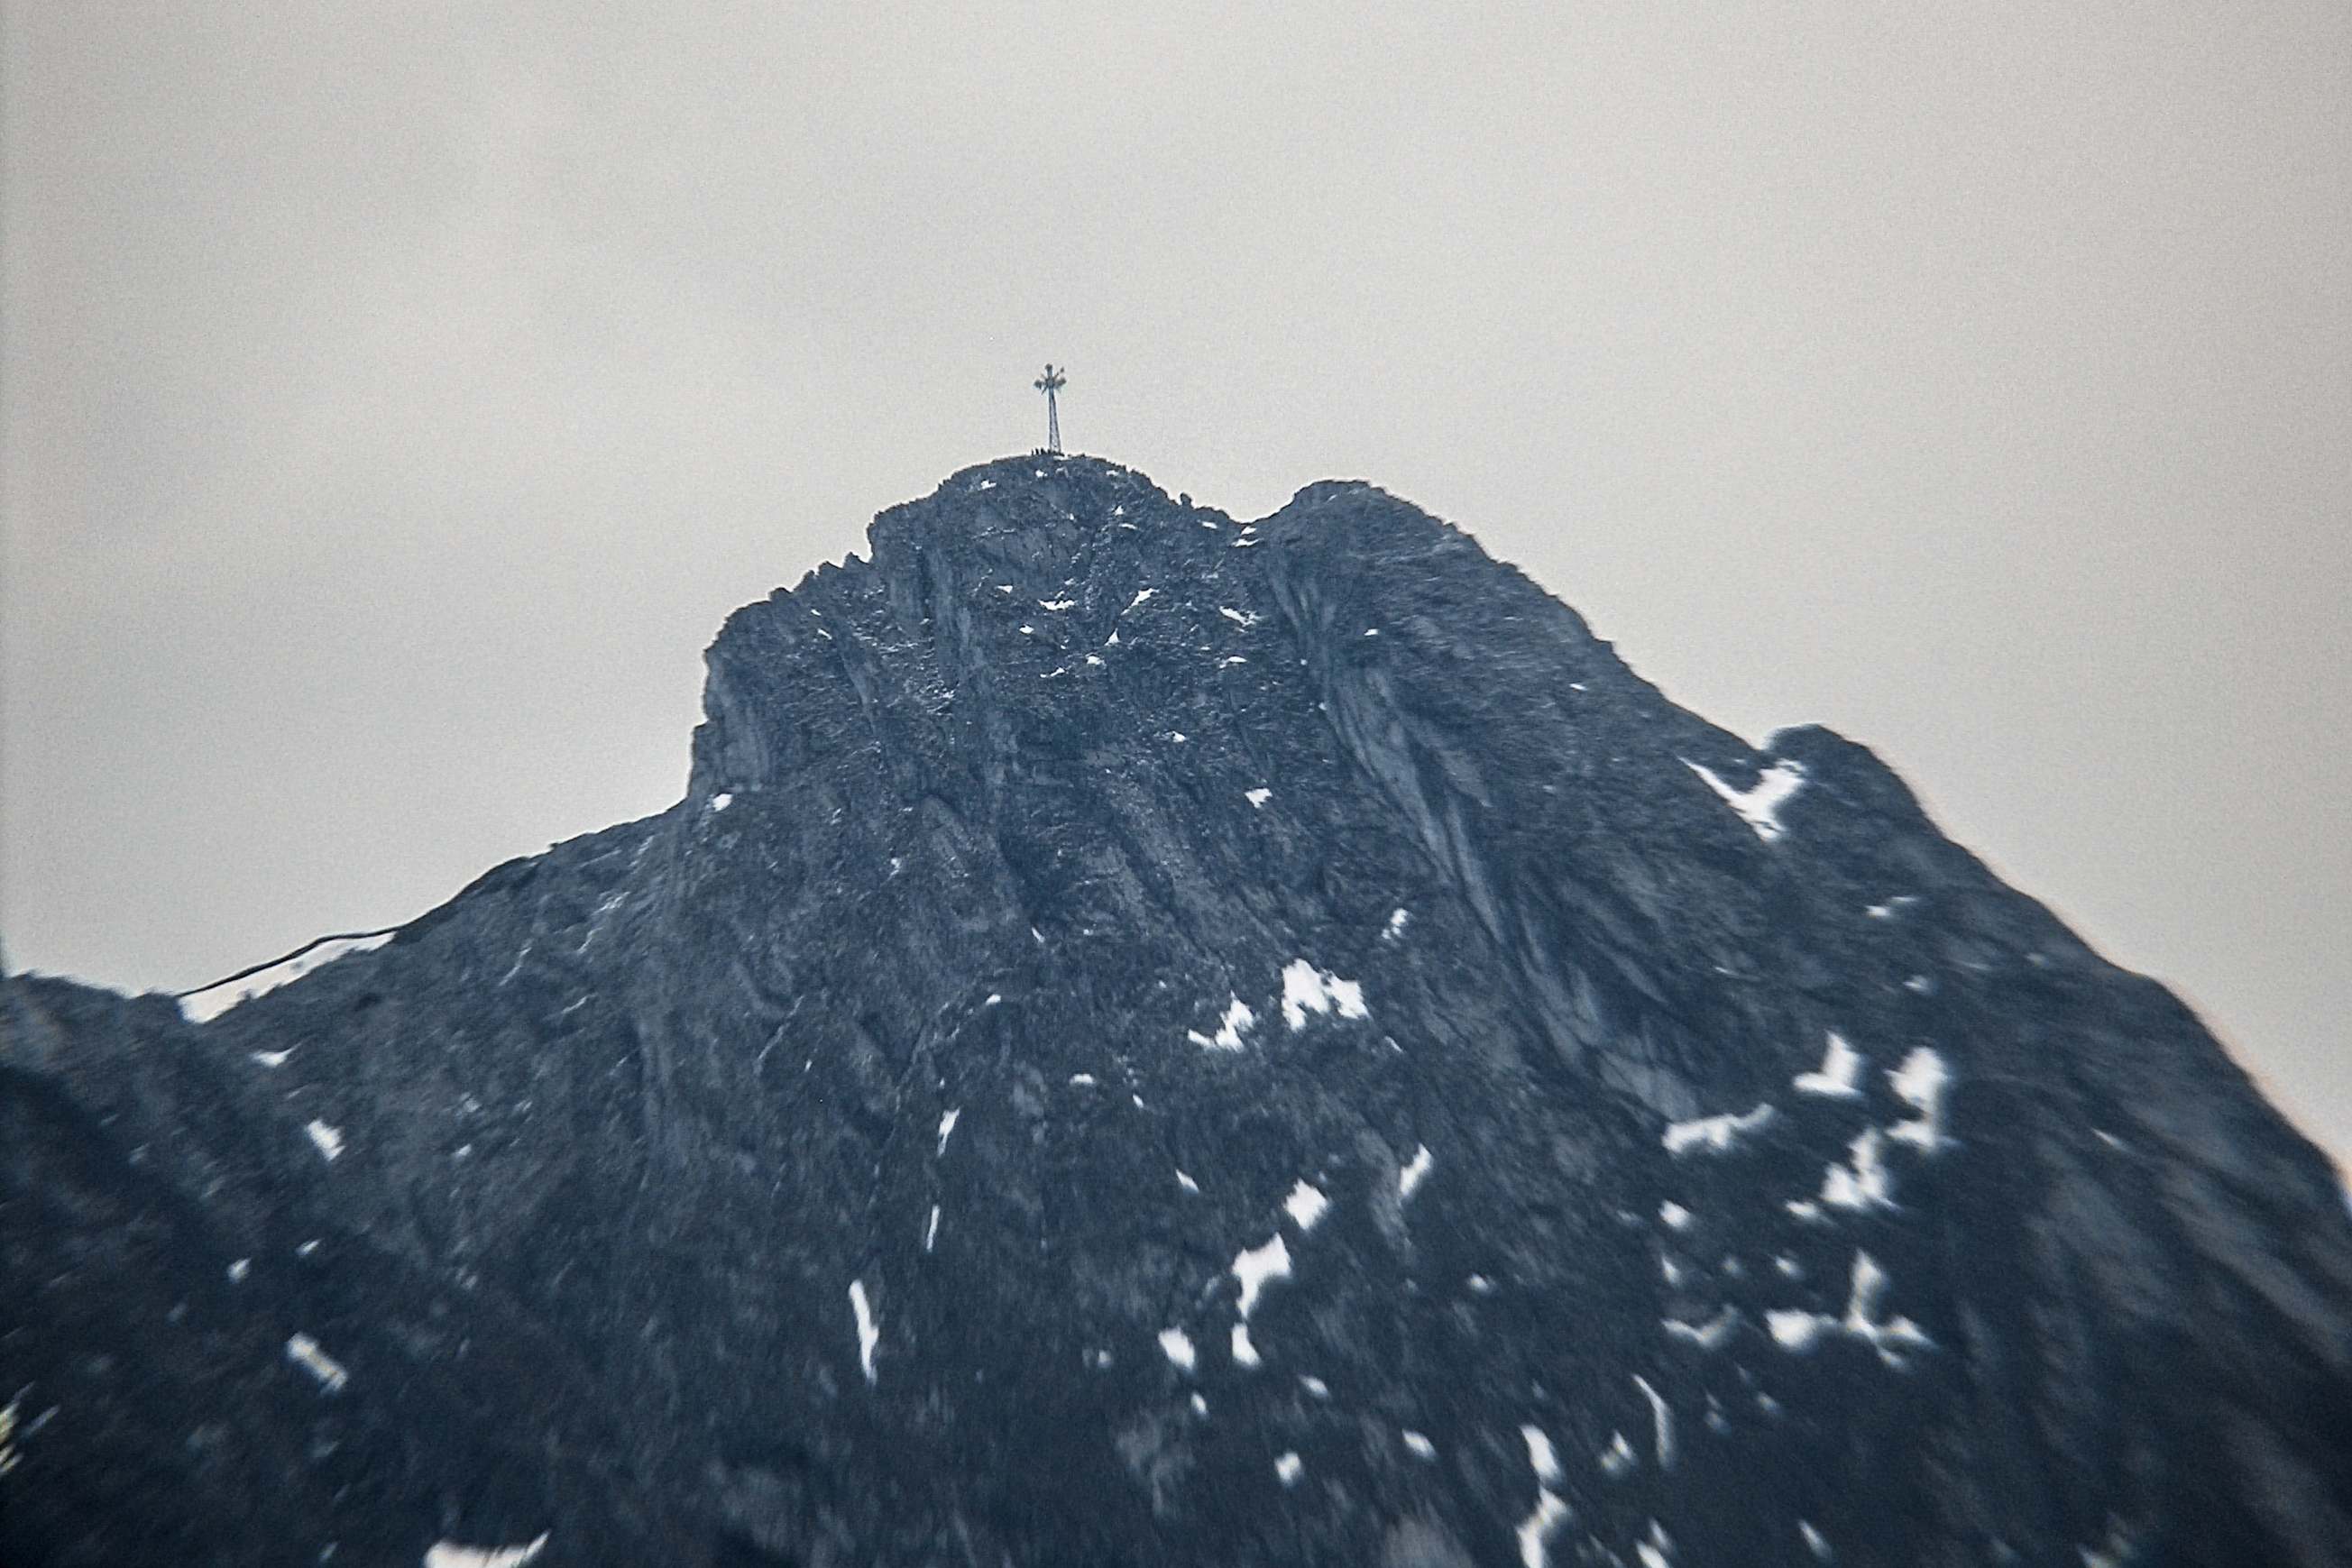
{"x": 870, "y": 1332}
{"x": 330, "y": 1140}
{"x": 209, "y": 1006}
{"x": 1864, "y": 1184}
{"x": 448, "y": 1554}
{"x": 1537, "y": 1529}
{"x": 1759, "y": 807}
{"x": 1256, "y": 1267}
{"x": 304, "y": 1351}
{"x": 1239, "y": 1016}
{"x": 947, "y": 1127}
{"x": 1409, "y": 1179}
{"x": 931, "y": 1229}
{"x": 1308, "y": 990}
{"x": 1542, "y": 1458}
{"x": 1839, "y": 1076}
{"x": 1920, "y": 1084}
{"x": 1662, "y": 1422}
{"x": 1715, "y": 1135}
{"x": 1709, "y": 1334}
{"x": 1421, "y": 1445}
{"x": 1890, "y": 1337}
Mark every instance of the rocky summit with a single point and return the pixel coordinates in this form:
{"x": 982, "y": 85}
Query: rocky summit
{"x": 1154, "y": 1040}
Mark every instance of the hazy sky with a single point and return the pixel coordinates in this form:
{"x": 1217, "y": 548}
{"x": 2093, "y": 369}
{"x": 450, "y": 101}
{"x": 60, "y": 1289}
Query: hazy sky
{"x": 397, "y": 396}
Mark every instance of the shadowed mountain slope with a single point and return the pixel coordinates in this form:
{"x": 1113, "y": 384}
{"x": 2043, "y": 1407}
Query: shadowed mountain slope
{"x": 1153, "y": 1040}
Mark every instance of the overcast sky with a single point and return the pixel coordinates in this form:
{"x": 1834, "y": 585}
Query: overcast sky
{"x": 397, "y": 396}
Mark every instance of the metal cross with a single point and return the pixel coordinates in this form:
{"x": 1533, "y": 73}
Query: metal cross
{"x": 1051, "y": 381}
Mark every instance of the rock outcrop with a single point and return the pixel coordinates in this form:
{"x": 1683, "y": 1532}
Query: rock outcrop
{"x": 1156, "y": 1039}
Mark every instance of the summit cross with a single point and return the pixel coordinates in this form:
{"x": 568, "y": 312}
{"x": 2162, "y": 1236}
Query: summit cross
{"x": 1051, "y": 381}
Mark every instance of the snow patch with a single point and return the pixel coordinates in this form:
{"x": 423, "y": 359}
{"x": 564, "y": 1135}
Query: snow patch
{"x": 1716, "y": 1135}
{"x": 1081, "y": 1080}
{"x": 1308, "y": 990}
{"x": 1537, "y": 1529}
{"x": 931, "y": 1230}
{"x": 1256, "y": 1267}
{"x": 870, "y": 1332}
{"x": 1315, "y": 1386}
{"x": 1056, "y": 604}
{"x": 304, "y": 1351}
{"x": 1257, "y": 798}
{"x": 1542, "y": 1458}
{"x": 449, "y": 1555}
{"x": 272, "y": 1058}
{"x": 721, "y": 800}
{"x": 1305, "y": 1205}
{"x": 1815, "y": 1542}
{"x": 1289, "y": 1468}
{"x": 1177, "y": 1346}
{"x": 1409, "y": 1179}
{"x": 1241, "y": 618}
{"x": 1662, "y": 1422}
{"x": 1890, "y": 1337}
{"x": 1142, "y": 594}
{"x": 1708, "y": 1335}
{"x": 1422, "y": 1448}
{"x": 1759, "y": 807}
{"x": 1187, "y": 1183}
{"x": 1244, "y": 1353}
{"x": 209, "y": 1005}
{"x": 1838, "y": 1076}
{"x": 1239, "y": 1016}
{"x": 1920, "y": 1084}
{"x": 947, "y": 1128}
{"x": 1864, "y": 1184}
{"x": 1398, "y": 920}
{"x": 330, "y": 1140}
{"x": 1673, "y": 1216}
{"x": 239, "y": 1269}
{"x": 1618, "y": 1457}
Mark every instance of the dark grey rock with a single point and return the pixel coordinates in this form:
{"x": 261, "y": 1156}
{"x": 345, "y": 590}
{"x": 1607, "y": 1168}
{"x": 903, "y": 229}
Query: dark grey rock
{"x": 972, "y": 829}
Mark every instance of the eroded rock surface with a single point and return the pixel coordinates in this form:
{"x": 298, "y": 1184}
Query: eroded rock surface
{"x": 1157, "y": 1039}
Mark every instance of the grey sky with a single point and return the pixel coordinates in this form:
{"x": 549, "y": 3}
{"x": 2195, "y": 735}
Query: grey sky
{"x": 395, "y": 403}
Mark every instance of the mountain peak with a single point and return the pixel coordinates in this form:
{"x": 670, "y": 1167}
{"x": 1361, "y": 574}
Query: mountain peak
{"x": 1165, "y": 1039}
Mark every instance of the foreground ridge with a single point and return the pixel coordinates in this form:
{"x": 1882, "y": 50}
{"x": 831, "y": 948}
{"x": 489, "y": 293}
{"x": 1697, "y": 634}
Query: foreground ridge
{"x": 1158, "y": 1039}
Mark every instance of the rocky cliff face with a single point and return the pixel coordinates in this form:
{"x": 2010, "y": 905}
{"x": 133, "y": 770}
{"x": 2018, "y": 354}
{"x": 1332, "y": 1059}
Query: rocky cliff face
{"x": 1154, "y": 1040}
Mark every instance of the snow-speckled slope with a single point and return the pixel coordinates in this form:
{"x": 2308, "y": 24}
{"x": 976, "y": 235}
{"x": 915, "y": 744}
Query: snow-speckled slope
{"x": 1158, "y": 1039}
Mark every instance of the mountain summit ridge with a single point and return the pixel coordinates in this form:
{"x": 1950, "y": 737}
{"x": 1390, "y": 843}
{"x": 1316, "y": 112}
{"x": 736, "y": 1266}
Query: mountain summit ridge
{"x": 1157, "y": 1039}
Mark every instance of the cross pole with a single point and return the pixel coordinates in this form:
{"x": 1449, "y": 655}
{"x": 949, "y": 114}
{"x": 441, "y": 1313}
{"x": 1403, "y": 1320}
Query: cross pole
{"x": 1051, "y": 381}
